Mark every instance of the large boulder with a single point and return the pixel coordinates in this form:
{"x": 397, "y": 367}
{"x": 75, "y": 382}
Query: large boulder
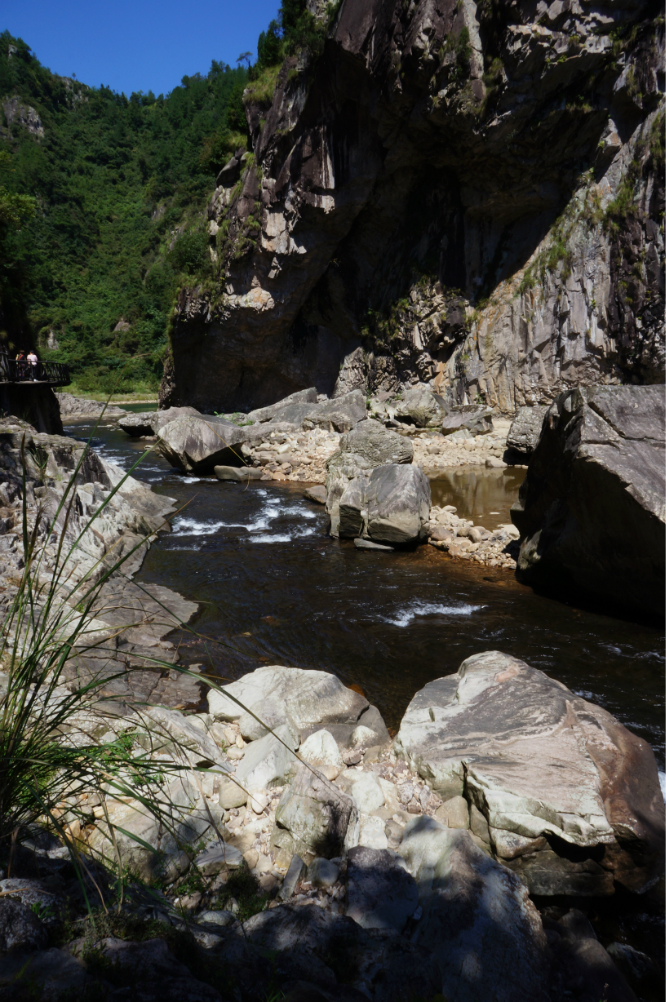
{"x": 420, "y": 406}
{"x": 391, "y": 506}
{"x": 150, "y": 422}
{"x": 483, "y": 931}
{"x": 304, "y": 699}
{"x": 381, "y": 894}
{"x": 269, "y": 413}
{"x": 362, "y": 449}
{"x": 197, "y": 444}
{"x": 558, "y": 789}
{"x": 525, "y": 429}
{"x": 474, "y": 418}
{"x": 341, "y": 414}
{"x": 591, "y": 510}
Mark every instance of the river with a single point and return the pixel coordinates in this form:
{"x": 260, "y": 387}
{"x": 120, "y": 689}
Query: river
{"x": 274, "y": 588}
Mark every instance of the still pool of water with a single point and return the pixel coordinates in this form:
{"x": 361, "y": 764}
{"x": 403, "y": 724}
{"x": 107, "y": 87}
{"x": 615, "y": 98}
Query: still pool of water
{"x": 274, "y": 588}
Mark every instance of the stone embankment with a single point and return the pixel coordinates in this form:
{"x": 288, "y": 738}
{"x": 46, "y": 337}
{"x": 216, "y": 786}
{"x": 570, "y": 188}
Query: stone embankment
{"x": 370, "y": 868}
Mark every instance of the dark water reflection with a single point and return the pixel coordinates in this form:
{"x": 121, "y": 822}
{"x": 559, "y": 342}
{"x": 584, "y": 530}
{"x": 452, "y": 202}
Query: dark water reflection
{"x": 275, "y": 589}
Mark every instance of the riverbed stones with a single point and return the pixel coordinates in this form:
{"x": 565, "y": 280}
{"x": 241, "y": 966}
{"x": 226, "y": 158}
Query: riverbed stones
{"x": 478, "y": 921}
{"x": 218, "y": 857}
{"x": 591, "y": 511}
{"x": 197, "y": 444}
{"x": 381, "y": 893}
{"x": 314, "y": 818}
{"x": 535, "y": 761}
{"x": 304, "y": 698}
{"x": 367, "y": 792}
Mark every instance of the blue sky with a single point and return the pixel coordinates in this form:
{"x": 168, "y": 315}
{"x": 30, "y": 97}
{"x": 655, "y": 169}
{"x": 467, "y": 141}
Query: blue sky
{"x": 134, "y": 45}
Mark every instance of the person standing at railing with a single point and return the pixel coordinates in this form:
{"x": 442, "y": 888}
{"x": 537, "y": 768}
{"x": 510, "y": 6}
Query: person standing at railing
{"x": 20, "y": 365}
{"x": 34, "y": 362}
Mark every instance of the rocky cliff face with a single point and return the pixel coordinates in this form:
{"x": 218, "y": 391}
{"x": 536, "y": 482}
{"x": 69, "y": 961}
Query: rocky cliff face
{"x": 465, "y": 193}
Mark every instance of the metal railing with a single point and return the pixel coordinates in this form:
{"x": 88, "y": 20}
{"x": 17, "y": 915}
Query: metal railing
{"x": 13, "y": 371}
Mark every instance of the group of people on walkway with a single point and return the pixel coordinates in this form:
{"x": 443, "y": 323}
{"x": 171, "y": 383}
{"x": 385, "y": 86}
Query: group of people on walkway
{"x": 27, "y": 365}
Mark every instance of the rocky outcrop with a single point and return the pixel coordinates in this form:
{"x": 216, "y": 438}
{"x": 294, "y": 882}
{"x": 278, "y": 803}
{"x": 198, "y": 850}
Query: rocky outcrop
{"x": 558, "y": 789}
{"x": 591, "y": 509}
{"x": 468, "y": 196}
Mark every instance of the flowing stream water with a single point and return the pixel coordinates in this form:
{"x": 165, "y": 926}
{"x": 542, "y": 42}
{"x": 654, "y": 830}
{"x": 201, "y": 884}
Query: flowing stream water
{"x": 274, "y": 588}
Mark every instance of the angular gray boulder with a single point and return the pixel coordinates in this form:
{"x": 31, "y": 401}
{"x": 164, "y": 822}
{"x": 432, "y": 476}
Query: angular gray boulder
{"x": 420, "y": 406}
{"x": 591, "y": 510}
{"x": 390, "y": 506}
{"x": 197, "y": 444}
{"x": 150, "y": 422}
{"x": 475, "y": 418}
{"x": 341, "y": 414}
{"x": 274, "y": 695}
{"x": 362, "y": 449}
{"x": 525, "y": 429}
{"x": 485, "y": 934}
{"x": 558, "y": 789}
{"x": 269, "y": 413}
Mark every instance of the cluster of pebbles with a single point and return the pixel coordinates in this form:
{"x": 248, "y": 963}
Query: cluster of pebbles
{"x": 461, "y": 539}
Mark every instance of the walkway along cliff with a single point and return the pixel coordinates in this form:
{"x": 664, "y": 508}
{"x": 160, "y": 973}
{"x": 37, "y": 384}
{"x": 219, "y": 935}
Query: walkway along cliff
{"x": 465, "y": 193}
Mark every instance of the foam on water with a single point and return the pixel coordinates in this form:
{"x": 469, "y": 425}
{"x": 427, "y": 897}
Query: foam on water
{"x": 662, "y": 783}
{"x": 404, "y": 617}
{"x": 276, "y": 538}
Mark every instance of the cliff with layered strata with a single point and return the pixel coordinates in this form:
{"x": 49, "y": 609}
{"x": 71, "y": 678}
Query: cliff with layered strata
{"x": 466, "y": 194}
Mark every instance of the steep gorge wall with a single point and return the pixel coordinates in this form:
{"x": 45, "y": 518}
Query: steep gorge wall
{"x": 469, "y": 194}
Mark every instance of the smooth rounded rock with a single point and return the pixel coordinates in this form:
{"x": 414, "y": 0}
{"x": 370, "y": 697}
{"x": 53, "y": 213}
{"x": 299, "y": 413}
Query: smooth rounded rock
{"x": 323, "y": 872}
{"x": 367, "y": 792}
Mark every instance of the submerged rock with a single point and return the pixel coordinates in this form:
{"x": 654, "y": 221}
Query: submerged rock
{"x": 591, "y": 511}
{"x": 559, "y": 789}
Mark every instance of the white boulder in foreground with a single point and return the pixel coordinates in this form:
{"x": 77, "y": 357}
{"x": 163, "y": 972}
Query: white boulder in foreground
{"x": 542, "y": 769}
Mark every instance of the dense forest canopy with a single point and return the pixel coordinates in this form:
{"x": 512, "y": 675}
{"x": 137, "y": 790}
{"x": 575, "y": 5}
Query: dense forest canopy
{"x": 101, "y": 200}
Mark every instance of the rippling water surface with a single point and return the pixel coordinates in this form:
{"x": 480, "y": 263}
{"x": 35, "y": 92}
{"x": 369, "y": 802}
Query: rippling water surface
{"x": 273, "y": 588}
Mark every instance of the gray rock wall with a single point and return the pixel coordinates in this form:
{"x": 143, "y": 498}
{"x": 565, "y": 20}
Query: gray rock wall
{"x": 469, "y": 194}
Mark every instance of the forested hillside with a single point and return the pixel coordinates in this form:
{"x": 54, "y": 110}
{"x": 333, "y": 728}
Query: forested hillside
{"x": 101, "y": 200}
